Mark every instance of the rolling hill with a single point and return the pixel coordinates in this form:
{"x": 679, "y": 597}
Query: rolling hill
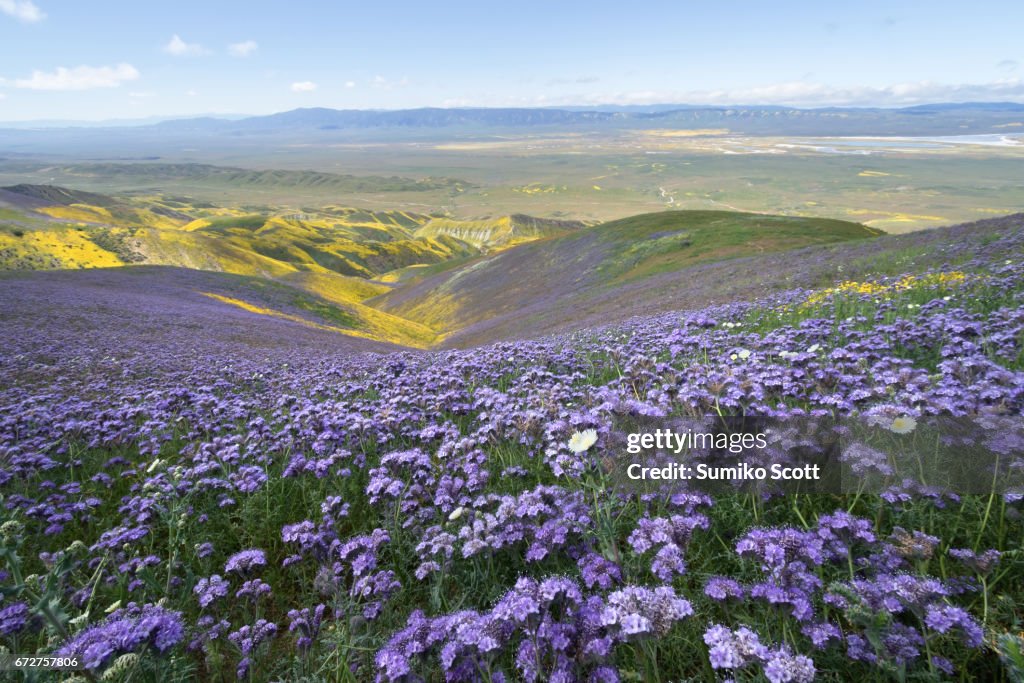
{"x": 148, "y": 174}
{"x": 560, "y": 282}
{"x": 89, "y": 207}
{"x": 57, "y": 227}
{"x": 418, "y": 281}
{"x": 554, "y": 300}
{"x": 54, "y": 227}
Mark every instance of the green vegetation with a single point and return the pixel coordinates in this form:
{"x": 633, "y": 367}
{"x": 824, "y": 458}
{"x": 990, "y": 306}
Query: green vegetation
{"x": 560, "y": 277}
{"x": 645, "y": 245}
{"x": 116, "y": 242}
{"x": 226, "y": 224}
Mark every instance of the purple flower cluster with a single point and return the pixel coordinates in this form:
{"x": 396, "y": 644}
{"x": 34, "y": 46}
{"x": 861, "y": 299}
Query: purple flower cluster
{"x": 733, "y": 650}
{"x": 596, "y": 570}
{"x": 555, "y": 631}
{"x": 670, "y": 536}
{"x": 545, "y": 519}
{"x": 787, "y": 556}
{"x": 306, "y": 623}
{"x": 247, "y": 639}
{"x": 210, "y": 589}
{"x": 131, "y": 629}
{"x": 246, "y": 561}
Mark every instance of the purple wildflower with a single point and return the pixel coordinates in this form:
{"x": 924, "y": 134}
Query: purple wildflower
{"x": 245, "y": 561}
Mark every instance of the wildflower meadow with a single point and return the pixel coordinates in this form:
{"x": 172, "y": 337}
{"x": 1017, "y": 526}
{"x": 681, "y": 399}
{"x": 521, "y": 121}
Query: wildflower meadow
{"x": 187, "y": 512}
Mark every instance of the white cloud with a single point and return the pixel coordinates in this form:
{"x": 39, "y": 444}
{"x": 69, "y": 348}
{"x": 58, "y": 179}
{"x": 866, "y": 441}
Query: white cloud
{"x": 79, "y": 78}
{"x": 1008, "y": 65}
{"x": 179, "y": 48}
{"x": 304, "y": 86}
{"x": 382, "y": 83}
{"x": 350, "y": 84}
{"x": 895, "y": 94}
{"x": 809, "y": 94}
{"x": 22, "y": 10}
{"x": 571, "y": 81}
{"x": 243, "y": 49}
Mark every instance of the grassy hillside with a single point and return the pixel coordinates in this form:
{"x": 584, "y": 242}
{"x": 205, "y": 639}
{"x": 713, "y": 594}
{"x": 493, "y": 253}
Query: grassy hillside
{"x": 717, "y": 282}
{"x": 554, "y": 279}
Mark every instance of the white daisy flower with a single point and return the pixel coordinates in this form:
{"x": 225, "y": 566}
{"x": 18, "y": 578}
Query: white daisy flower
{"x": 903, "y": 425}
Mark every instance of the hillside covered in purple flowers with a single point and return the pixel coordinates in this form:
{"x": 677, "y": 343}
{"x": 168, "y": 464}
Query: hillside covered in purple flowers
{"x": 189, "y": 494}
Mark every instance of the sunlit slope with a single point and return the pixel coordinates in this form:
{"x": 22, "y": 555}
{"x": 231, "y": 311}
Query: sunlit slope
{"x": 169, "y": 230}
{"x": 53, "y": 227}
{"x": 499, "y": 232}
{"x": 28, "y": 247}
{"x": 89, "y": 207}
{"x": 551, "y": 283}
{"x": 361, "y": 250}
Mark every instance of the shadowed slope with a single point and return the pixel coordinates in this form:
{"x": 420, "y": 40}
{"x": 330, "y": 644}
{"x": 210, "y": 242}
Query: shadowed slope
{"x": 75, "y": 205}
{"x": 163, "y": 300}
{"x": 555, "y": 277}
{"x": 751, "y": 278}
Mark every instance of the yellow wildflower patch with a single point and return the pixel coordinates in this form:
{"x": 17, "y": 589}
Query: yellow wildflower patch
{"x": 77, "y": 212}
{"x": 908, "y": 282}
{"x": 383, "y": 327}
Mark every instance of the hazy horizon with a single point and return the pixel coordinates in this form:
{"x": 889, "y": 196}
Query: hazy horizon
{"x": 230, "y": 116}
{"x": 125, "y": 61}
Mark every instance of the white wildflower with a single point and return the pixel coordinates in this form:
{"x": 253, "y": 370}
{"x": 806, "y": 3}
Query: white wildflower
{"x": 581, "y": 441}
{"x": 903, "y": 425}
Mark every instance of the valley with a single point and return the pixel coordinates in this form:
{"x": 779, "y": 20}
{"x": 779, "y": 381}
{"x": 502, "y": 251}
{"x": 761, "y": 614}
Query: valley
{"x": 391, "y": 276}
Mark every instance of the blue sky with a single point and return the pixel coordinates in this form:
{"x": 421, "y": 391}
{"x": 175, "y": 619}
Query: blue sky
{"x": 82, "y": 60}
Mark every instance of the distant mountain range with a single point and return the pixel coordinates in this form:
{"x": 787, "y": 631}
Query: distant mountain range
{"x": 932, "y": 119}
